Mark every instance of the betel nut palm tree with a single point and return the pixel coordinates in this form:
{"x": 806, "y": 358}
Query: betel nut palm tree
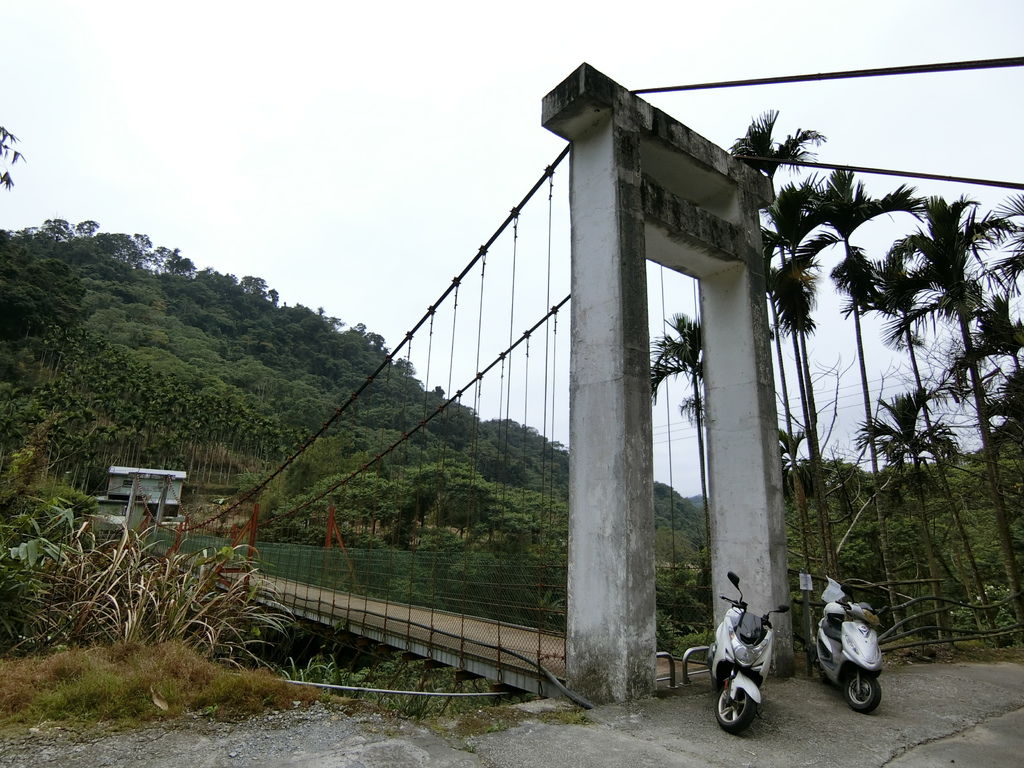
{"x": 680, "y": 352}
{"x": 789, "y": 221}
{"x": 896, "y": 298}
{"x": 759, "y": 149}
{"x": 844, "y": 206}
{"x": 946, "y": 267}
{"x": 907, "y": 448}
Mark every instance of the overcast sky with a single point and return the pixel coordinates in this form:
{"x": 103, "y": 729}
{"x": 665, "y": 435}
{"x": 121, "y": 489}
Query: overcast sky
{"x": 356, "y": 155}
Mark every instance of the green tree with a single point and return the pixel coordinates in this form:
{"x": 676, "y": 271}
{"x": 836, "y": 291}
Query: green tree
{"x": 791, "y": 219}
{"x": 844, "y": 207}
{"x": 680, "y": 352}
{"x": 758, "y": 142}
{"x": 8, "y": 155}
{"x": 946, "y": 255}
{"x": 795, "y": 480}
{"x": 36, "y": 294}
{"x": 1011, "y": 266}
{"x": 896, "y": 297}
{"x": 907, "y": 447}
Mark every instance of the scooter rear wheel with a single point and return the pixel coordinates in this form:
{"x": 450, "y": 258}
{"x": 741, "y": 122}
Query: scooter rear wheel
{"x": 734, "y": 710}
{"x": 862, "y": 692}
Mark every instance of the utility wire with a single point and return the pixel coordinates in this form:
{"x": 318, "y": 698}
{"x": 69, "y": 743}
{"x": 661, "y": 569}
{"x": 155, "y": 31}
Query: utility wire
{"x": 888, "y": 172}
{"x": 919, "y": 69}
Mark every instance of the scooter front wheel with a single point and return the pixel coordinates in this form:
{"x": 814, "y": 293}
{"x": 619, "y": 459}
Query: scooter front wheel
{"x": 734, "y": 710}
{"x": 862, "y": 692}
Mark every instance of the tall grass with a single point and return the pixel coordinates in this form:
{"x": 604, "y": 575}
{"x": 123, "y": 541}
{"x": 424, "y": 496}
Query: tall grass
{"x": 119, "y": 592}
{"x": 127, "y": 684}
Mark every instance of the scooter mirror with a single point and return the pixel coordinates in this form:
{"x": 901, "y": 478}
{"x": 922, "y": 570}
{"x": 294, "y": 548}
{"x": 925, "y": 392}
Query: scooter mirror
{"x": 782, "y": 609}
{"x": 734, "y": 579}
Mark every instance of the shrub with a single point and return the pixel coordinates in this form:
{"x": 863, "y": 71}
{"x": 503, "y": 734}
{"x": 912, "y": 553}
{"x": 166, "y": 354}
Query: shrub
{"x": 121, "y": 592}
{"x": 129, "y": 683}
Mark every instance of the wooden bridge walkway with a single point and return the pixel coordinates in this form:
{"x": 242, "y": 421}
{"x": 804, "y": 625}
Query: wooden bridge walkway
{"x": 518, "y": 656}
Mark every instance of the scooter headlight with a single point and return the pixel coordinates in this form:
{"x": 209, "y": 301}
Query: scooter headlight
{"x": 740, "y": 651}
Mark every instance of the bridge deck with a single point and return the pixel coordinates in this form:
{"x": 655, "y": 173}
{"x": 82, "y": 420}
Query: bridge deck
{"x": 507, "y": 653}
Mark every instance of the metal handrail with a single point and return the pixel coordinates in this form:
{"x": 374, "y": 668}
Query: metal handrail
{"x": 671, "y": 668}
{"x": 686, "y": 662}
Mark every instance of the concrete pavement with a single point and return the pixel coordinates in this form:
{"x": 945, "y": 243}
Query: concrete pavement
{"x": 941, "y": 714}
{"x": 995, "y": 742}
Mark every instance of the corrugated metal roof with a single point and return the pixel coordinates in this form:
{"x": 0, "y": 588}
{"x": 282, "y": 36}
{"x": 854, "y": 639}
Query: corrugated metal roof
{"x": 177, "y": 474}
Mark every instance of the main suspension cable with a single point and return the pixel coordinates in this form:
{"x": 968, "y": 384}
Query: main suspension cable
{"x": 456, "y": 281}
{"x": 918, "y": 69}
{"x": 440, "y": 409}
{"x": 887, "y": 172}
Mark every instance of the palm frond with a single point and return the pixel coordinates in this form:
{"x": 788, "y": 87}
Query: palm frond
{"x": 794, "y": 294}
{"x": 1009, "y": 269}
{"x": 677, "y": 352}
{"x": 758, "y": 142}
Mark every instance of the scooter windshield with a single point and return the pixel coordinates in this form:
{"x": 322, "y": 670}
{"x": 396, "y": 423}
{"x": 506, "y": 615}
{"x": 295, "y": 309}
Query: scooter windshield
{"x": 751, "y": 630}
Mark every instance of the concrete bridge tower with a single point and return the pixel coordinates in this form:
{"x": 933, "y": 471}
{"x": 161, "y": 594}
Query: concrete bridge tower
{"x": 644, "y": 186}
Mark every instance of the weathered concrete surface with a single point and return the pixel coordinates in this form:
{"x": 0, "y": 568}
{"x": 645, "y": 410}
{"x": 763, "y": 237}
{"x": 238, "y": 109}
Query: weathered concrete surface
{"x": 995, "y": 742}
{"x": 644, "y": 186}
{"x": 804, "y": 723}
{"x": 610, "y": 621}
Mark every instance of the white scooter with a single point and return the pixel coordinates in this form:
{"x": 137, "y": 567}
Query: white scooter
{"x": 847, "y": 649}
{"x": 739, "y": 659}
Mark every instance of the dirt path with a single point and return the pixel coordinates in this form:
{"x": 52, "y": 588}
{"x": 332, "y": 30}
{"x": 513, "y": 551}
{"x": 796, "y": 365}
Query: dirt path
{"x": 320, "y": 736}
{"x": 967, "y": 713}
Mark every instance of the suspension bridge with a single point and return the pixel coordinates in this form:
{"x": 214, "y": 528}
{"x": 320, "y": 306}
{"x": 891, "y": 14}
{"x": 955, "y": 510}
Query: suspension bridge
{"x": 493, "y": 567}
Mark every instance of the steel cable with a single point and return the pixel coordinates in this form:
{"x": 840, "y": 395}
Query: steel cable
{"x": 388, "y": 359}
{"x": 917, "y": 69}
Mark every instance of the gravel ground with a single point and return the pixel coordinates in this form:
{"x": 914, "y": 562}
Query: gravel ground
{"x": 934, "y": 714}
{"x": 319, "y": 735}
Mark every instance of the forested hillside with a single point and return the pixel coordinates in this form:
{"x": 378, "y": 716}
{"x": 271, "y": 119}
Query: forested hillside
{"x": 113, "y": 351}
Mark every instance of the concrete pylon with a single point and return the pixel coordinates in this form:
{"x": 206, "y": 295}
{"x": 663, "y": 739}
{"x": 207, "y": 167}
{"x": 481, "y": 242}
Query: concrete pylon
{"x": 644, "y": 186}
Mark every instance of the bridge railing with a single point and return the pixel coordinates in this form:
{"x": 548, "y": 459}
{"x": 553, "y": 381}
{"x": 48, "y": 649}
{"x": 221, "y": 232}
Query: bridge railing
{"x": 525, "y": 590}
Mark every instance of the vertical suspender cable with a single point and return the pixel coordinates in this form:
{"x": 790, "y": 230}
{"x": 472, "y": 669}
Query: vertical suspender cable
{"x": 472, "y": 513}
{"x": 441, "y": 503}
{"x": 668, "y": 416}
{"x": 700, "y": 435}
{"x": 416, "y": 509}
{"x": 546, "y": 487}
{"x": 505, "y": 399}
{"x": 396, "y": 474}
{"x": 544, "y": 479}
